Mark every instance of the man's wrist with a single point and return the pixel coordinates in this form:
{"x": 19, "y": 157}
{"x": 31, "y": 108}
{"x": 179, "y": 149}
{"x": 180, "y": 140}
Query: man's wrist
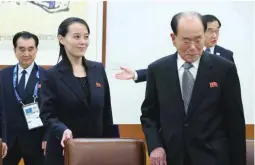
{"x": 136, "y": 76}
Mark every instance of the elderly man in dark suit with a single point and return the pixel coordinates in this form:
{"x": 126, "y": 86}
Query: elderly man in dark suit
{"x": 193, "y": 113}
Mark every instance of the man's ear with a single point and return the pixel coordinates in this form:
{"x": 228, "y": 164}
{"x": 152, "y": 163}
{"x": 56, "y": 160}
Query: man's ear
{"x": 173, "y": 37}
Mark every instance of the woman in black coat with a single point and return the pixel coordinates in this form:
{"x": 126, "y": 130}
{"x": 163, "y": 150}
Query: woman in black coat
{"x": 75, "y": 95}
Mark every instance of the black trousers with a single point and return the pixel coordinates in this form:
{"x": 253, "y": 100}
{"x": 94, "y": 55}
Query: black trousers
{"x": 15, "y": 153}
{"x": 187, "y": 159}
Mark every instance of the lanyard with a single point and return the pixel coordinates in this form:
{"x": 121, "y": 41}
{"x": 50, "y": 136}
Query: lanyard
{"x": 15, "y": 79}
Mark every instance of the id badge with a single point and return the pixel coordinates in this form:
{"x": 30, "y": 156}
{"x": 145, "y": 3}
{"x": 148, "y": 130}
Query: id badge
{"x": 32, "y": 112}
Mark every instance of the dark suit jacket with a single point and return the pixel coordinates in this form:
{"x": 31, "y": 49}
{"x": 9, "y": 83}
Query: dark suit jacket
{"x": 2, "y": 116}
{"x": 64, "y": 106}
{"x": 228, "y": 54}
{"x": 213, "y": 131}
{"x": 141, "y": 74}
{"x": 15, "y": 119}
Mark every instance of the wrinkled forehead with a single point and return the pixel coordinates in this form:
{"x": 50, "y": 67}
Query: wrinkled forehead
{"x": 190, "y": 26}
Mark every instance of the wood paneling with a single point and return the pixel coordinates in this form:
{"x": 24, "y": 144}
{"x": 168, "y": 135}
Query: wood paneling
{"x": 250, "y": 131}
{"x": 131, "y": 130}
{"x": 135, "y": 131}
{"x": 104, "y": 32}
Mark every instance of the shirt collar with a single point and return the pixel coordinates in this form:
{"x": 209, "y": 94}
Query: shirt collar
{"x": 29, "y": 69}
{"x": 180, "y": 62}
{"x": 211, "y": 49}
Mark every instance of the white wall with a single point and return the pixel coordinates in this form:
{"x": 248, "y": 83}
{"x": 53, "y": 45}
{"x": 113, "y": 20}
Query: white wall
{"x": 29, "y": 17}
{"x": 138, "y": 34}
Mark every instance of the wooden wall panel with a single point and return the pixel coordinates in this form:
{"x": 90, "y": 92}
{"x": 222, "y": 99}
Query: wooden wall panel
{"x": 250, "y": 131}
{"x": 131, "y": 130}
{"x": 135, "y": 131}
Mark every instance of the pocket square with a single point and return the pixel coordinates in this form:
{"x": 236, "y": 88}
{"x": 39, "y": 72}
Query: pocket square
{"x": 98, "y": 85}
{"x": 213, "y": 84}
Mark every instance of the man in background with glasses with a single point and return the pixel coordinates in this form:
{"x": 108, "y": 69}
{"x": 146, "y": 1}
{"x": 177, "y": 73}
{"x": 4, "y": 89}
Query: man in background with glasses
{"x": 212, "y": 36}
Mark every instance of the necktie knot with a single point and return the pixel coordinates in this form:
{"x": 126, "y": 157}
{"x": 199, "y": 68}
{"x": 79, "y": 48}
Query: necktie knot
{"x": 208, "y": 50}
{"x": 187, "y": 65}
{"x": 24, "y": 72}
{"x": 21, "y": 86}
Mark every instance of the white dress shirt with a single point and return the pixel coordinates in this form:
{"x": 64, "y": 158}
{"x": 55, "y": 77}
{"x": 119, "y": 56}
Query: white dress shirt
{"x": 29, "y": 70}
{"x": 136, "y": 76}
{"x": 193, "y": 70}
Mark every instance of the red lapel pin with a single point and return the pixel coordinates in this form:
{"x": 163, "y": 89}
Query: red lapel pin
{"x": 213, "y": 84}
{"x": 98, "y": 85}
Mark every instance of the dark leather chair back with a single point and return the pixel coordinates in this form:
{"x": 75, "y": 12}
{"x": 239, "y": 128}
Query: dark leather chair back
{"x": 250, "y": 152}
{"x": 105, "y": 152}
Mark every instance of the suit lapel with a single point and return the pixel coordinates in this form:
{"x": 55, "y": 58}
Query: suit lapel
{"x": 95, "y": 81}
{"x": 41, "y": 73}
{"x": 70, "y": 81}
{"x": 201, "y": 82}
{"x": 216, "y": 50}
{"x": 172, "y": 81}
{"x": 9, "y": 83}
{"x": 32, "y": 80}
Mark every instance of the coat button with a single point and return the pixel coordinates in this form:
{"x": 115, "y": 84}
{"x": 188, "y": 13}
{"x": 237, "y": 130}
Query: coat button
{"x": 186, "y": 125}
